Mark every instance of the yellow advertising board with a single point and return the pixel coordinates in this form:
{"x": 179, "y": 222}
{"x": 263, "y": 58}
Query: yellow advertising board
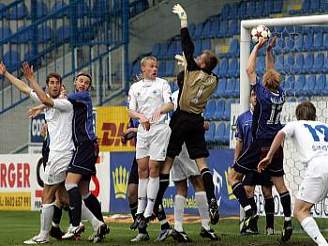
{"x": 15, "y": 201}
{"x": 112, "y": 121}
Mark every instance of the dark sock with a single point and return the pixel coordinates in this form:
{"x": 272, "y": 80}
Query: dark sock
{"x": 164, "y": 180}
{"x": 133, "y": 209}
{"x": 269, "y": 212}
{"x": 92, "y": 203}
{"x": 239, "y": 191}
{"x": 208, "y": 183}
{"x": 286, "y": 203}
{"x": 251, "y": 202}
{"x": 161, "y": 216}
{"x": 75, "y": 203}
{"x": 57, "y": 215}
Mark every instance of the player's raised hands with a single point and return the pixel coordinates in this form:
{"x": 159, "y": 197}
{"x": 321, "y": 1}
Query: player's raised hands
{"x": 272, "y": 43}
{"x": 28, "y": 71}
{"x": 263, "y": 164}
{"x": 261, "y": 42}
{"x": 3, "y": 69}
{"x": 180, "y": 59}
{"x": 178, "y": 10}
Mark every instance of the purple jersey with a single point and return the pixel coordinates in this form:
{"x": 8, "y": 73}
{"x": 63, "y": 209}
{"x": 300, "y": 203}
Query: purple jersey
{"x": 266, "y": 117}
{"x": 244, "y": 129}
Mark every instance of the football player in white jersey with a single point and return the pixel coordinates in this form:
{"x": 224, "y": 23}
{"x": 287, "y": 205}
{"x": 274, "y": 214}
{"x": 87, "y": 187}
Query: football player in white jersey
{"x": 59, "y": 115}
{"x": 311, "y": 140}
{"x": 58, "y": 118}
{"x": 149, "y": 102}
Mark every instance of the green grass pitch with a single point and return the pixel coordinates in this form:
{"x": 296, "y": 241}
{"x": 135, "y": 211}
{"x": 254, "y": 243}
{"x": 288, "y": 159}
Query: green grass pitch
{"x": 15, "y": 227}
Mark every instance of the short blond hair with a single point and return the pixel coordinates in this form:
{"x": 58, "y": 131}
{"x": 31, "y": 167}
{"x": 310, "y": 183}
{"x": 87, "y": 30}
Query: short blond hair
{"x": 271, "y": 79}
{"x": 147, "y": 58}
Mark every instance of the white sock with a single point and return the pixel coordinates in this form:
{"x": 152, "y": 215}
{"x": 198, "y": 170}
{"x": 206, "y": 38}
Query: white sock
{"x": 311, "y": 228}
{"x": 152, "y": 190}
{"x": 87, "y": 215}
{"x": 202, "y": 205}
{"x": 47, "y": 212}
{"x": 142, "y": 195}
{"x": 179, "y": 204}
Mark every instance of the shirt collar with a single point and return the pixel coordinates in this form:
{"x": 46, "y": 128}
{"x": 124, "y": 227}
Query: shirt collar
{"x": 147, "y": 82}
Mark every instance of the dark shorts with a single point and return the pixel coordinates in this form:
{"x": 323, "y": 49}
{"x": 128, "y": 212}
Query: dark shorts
{"x": 134, "y": 176}
{"x": 187, "y": 128}
{"x": 254, "y": 178}
{"x": 258, "y": 149}
{"x": 84, "y": 159}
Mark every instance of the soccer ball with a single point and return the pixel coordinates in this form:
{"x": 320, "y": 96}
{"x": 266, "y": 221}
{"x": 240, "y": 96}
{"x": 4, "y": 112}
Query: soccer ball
{"x": 260, "y": 31}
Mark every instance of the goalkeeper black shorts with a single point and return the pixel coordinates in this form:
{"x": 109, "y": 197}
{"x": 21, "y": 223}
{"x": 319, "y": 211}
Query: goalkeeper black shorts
{"x": 187, "y": 128}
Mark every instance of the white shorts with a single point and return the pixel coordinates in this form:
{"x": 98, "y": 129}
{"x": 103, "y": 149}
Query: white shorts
{"x": 183, "y": 167}
{"x": 55, "y": 171}
{"x": 153, "y": 143}
{"x": 314, "y": 186}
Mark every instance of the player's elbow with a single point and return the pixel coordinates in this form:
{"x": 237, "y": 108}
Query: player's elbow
{"x": 46, "y": 100}
{"x": 250, "y": 71}
{"x": 132, "y": 113}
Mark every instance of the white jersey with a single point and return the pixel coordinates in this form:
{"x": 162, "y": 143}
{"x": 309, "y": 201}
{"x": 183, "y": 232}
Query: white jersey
{"x": 59, "y": 120}
{"x": 309, "y": 137}
{"x": 146, "y": 96}
{"x": 175, "y": 99}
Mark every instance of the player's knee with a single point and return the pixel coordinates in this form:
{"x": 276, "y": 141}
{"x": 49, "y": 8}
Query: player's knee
{"x": 181, "y": 188}
{"x": 48, "y": 196}
{"x": 143, "y": 173}
{"x": 197, "y": 183}
{"x": 233, "y": 176}
{"x": 154, "y": 171}
{"x": 249, "y": 190}
{"x": 267, "y": 192}
{"x": 132, "y": 193}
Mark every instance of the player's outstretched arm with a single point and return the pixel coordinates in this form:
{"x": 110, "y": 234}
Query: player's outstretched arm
{"x": 32, "y": 112}
{"x": 277, "y": 142}
{"x": 269, "y": 59}
{"x": 164, "y": 109}
{"x": 29, "y": 75}
{"x": 19, "y": 84}
{"x": 251, "y": 65}
{"x": 181, "y": 13}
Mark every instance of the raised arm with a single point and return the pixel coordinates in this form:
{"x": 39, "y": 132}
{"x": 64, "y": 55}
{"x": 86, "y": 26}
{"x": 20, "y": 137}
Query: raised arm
{"x": 186, "y": 42}
{"x": 269, "y": 59}
{"x": 29, "y": 75}
{"x": 19, "y": 84}
{"x": 251, "y": 65}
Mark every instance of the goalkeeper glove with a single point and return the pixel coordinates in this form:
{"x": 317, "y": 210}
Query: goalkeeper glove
{"x": 177, "y": 9}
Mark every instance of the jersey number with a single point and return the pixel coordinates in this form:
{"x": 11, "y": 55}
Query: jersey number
{"x": 322, "y": 129}
{"x": 275, "y": 114}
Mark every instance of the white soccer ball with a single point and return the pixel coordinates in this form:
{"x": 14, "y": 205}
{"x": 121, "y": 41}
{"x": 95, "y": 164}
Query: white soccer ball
{"x": 260, "y": 31}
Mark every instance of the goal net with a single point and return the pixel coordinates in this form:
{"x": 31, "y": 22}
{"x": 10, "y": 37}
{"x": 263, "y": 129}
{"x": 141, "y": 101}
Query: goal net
{"x": 301, "y": 58}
